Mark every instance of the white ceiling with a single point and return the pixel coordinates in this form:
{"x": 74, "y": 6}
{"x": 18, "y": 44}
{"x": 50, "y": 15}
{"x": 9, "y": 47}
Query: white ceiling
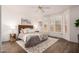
{"x": 49, "y": 9}
{"x": 56, "y": 8}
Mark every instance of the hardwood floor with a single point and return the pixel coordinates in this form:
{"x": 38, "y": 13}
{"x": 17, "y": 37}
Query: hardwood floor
{"x": 61, "y": 46}
{"x": 9, "y": 47}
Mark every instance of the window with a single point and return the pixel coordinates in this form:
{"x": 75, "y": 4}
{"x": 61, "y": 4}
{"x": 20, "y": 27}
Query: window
{"x": 56, "y": 23}
{"x": 59, "y": 23}
{"x": 65, "y": 23}
{"x": 52, "y": 24}
{"x": 57, "y": 27}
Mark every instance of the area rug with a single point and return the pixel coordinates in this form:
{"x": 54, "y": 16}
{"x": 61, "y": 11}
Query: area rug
{"x": 40, "y": 47}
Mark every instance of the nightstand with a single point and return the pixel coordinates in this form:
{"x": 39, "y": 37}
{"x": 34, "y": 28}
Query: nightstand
{"x": 12, "y": 37}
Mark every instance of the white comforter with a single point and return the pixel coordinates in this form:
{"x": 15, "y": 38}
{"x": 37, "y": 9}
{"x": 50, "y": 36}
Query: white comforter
{"x": 26, "y": 37}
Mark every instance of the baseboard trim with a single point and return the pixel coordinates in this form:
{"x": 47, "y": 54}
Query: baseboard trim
{"x": 62, "y": 38}
{"x": 5, "y": 41}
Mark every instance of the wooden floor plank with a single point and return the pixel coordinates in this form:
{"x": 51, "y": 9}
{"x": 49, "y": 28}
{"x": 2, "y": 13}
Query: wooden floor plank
{"x": 61, "y": 46}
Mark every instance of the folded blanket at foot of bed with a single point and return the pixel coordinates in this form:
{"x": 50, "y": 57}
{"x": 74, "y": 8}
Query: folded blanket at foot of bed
{"x": 34, "y": 40}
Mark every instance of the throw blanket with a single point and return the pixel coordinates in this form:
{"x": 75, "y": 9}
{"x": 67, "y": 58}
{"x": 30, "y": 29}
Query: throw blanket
{"x": 34, "y": 40}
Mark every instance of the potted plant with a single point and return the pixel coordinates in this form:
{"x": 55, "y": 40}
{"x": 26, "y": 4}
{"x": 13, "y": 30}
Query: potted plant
{"x": 77, "y": 23}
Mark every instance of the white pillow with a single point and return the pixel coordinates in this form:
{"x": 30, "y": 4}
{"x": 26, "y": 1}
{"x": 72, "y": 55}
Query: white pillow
{"x": 30, "y": 31}
{"x": 26, "y": 30}
{"x": 23, "y": 30}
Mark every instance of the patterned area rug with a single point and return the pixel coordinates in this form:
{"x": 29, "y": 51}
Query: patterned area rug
{"x": 40, "y": 47}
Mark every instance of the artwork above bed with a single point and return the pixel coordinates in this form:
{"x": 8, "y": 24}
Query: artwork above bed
{"x": 25, "y": 21}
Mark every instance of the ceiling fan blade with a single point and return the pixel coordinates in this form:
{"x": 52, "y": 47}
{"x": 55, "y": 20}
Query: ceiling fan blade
{"x": 43, "y": 6}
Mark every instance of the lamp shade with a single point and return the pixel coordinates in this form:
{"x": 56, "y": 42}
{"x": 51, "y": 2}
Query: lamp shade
{"x": 12, "y": 28}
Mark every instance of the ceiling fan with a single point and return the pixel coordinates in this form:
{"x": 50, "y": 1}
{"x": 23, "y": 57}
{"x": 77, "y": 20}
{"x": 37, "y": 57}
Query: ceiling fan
{"x": 42, "y": 8}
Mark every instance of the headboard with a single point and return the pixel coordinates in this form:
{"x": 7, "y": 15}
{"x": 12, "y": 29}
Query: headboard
{"x": 24, "y": 26}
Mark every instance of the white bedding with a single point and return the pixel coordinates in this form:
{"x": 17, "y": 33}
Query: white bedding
{"x": 25, "y": 37}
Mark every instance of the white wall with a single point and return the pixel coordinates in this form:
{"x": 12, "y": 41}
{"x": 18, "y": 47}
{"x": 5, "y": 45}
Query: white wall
{"x": 64, "y": 16}
{"x": 11, "y": 16}
{"x": 0, "y": 27}
{"x": 72, "y": 32}
{"x": 74, "y": 14}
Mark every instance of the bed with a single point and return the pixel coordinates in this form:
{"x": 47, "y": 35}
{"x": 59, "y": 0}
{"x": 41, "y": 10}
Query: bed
{"x": 31, "y": 37}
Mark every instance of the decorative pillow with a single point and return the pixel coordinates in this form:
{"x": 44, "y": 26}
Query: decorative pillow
{"x": 21, "y": 31}
{"x": 30, "y": 31}
{"x": 26, "y": 30}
